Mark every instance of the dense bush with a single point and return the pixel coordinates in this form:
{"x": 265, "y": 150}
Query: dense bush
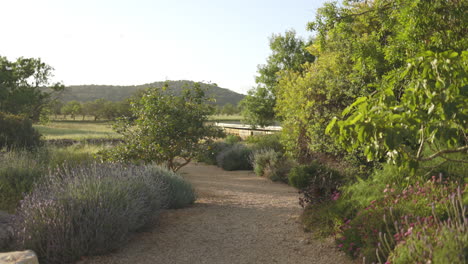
{"x": 180, "y": 193}
{"x": 235, "y": 157}
{"x": 315, "y": 182}
{"x": 271, "y": 164}
{"x": 362, "y": 233}
{"x": 432, "y": 240}
{"x": 89, "y": 210}
{"x": 212, "y": 150}
{"x": 232, "y": 139}
{"x": 19, "y": 171}
{"x": 17, "y": 132}
{"x": 265, "y": 142}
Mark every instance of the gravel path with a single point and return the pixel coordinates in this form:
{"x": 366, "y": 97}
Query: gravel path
{"x": 238, "y": 218}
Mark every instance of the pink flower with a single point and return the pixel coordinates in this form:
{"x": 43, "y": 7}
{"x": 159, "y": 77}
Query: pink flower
{"x": 340, "y": 245}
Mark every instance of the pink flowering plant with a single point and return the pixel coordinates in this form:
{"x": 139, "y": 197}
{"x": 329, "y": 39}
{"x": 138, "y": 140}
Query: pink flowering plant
{"x": 415, "y": 205}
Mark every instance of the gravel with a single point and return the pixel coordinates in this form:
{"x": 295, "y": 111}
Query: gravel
{"x": 238, "y": 218}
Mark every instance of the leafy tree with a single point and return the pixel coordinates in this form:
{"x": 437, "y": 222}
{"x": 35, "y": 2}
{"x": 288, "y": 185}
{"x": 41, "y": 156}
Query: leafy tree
{"x": 167, "y": 129}
{"x": 409, "y": 60}
{"x": 289, "y": 53}
{"x": 25, "y": 86}
{"x": 72, "y": 108}
{"x": 258, "y": 107}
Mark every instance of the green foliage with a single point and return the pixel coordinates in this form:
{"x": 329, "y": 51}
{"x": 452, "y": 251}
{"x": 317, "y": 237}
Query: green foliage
{"x": 17, "y": 132}
{"x": 208, "y": 155}
{"x": 72, "y": 108}
{"x": 258, "y": 107}
{"x": 435, "y": 240}
{"x": 322, "y": 219}
{"x": 429, "y": 107}
{"x": 363, "y": 191}
{"x": 288, "y": 54}
{"x": 166, "y": 128}
{"x": 303, "y": 176}
{"x": 22, "y": 85}
{"x": 265, "y": 142}
{"x": 415, "y": 205}
{"x": 271, "y": 164}
{"x": 19, "y": 171}
{"x": 235, "y": 157}
{"x": 232, "y": 139}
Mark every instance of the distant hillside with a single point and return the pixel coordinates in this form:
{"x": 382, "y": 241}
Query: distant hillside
{"x": 84, "y": 93}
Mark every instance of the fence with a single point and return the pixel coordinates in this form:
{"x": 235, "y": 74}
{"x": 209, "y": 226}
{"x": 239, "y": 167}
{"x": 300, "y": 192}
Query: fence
{"x": 245, "y": 131}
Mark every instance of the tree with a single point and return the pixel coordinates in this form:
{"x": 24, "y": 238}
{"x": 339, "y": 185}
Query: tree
{"x": 167, "y": 129}
{"x": 289, "y": 53}
{"x": 409, "y": 59}
{"x": 258, "y": 107}
{"x": 25, "y": 86}
{"x": 72, "y": 108}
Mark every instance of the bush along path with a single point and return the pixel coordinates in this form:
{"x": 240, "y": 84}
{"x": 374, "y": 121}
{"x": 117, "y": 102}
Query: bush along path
{"x": 238, "y": 218}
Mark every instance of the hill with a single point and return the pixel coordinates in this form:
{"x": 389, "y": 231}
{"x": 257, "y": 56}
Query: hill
{"x": 84, "y": 93}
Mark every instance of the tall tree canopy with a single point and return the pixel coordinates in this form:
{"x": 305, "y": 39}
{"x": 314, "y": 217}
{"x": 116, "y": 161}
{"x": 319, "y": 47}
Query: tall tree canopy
{"x": 392, "y": 72}
{"x": 288, "y": 55}
{"x": 25, "y": 86}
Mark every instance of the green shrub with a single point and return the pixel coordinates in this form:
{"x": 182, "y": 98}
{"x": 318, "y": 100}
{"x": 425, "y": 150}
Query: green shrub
{"x": 316, "y": 183}
{"x": 265, "y": 142}
{"x": 19, "y": 171}
{"x": 235, "y": 157}
{"x": 432, "y": 240}
{"x": 362, "y": 192}
{"x": 208, "y": 156}
{"x": 88, "y": 210}
{"x": 232, "y": 139}
{"x": 17, "y": 132}
{"x": 412, "y": 206}
{"x": 180, "y": 193}
{"x": 271, "y": 164}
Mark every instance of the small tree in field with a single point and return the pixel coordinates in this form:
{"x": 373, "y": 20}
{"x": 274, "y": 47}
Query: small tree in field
{"x": 166, "y": 129}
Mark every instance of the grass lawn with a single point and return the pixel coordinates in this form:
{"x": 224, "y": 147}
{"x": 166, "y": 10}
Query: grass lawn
{"x": 221, "y": 118}
{"x": 68, "y": 129}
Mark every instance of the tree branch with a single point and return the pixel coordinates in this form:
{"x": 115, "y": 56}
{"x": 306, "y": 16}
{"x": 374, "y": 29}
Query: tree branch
{"x": 187, "y": 161}
{"x": 442, "y": 152}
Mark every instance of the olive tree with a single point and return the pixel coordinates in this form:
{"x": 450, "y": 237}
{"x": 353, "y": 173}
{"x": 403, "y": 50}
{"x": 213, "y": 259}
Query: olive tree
{"x": 165, "y": 128}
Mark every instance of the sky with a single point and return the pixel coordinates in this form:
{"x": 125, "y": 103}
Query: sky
{"x": 132, "y": 42}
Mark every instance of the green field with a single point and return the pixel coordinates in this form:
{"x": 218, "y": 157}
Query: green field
{"x": 222, "y": 118}
{"x": 77, "y": 130}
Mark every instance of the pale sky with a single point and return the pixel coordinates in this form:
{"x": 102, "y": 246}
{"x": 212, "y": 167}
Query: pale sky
{"x": 132, "y": 42}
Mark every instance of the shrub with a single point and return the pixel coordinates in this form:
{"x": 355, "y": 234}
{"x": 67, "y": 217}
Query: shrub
{"x": 431, "y": 240}
{"x": 87, "y": 210}
{"x": 362, "y": 192}
{"x": 235, "y": 157}
{"x": 17, "y": 132}
{"x": 232, "y": 139}
{"x": 208, "y": 156}
{"x": 316, "y": 182}
{"x": 261, "y": 159}
{"x": 362, "y": 233}
{"x": 19, "y": 171}
{"x": 271, "y": 164}
{"x": 179, "y": 192}
{"x": 265, "y": 142}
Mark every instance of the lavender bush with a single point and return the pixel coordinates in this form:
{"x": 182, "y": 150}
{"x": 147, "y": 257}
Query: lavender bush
{"x": 89, "y": 210}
